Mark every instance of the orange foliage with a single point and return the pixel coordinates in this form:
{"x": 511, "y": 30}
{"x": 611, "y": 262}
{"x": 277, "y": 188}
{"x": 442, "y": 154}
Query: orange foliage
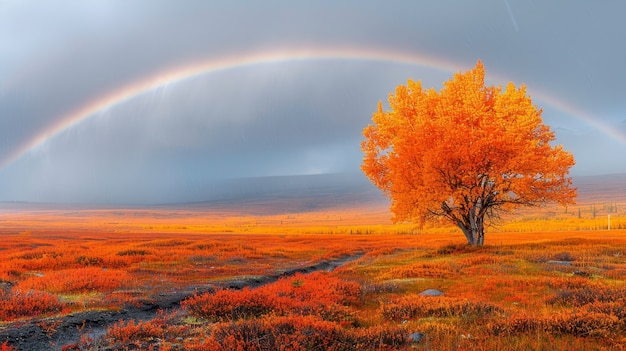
{"x": 509, "y": 295}
{"x": 78, "y": 280}
{"x": 464, "y": 153}
{"x": 416, "y": 306}
{"x": 303, "y": 312}
{"x": 318, "y": 294}
{"x": 88, "y": 268}
{"x": 132, "y": 331}
{"x": 15, "y": 305}
{"x": 583, "y": 323}
{"x": 141, "y": 335}
{"x": 302, "y": 333}
{"x": 420, "y": 270}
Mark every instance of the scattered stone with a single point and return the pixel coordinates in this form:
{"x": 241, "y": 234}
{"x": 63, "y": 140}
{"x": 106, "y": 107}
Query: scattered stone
{"x": 560, "y": 263}
{"x": 416, "y": 337}
{"x": 5, "y": 286}
{"x": 431, "y": 292}
{"x": 582, "y": 274}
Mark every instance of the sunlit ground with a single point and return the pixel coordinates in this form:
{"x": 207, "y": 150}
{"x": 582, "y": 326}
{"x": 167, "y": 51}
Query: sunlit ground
{"x": 548, "y": 278}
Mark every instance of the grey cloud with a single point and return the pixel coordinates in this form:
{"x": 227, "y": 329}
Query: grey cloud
{"x": 271, "y": 119}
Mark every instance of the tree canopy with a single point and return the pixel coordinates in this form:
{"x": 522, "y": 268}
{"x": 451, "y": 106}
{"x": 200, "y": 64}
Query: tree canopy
{"x": 464, "y": 154}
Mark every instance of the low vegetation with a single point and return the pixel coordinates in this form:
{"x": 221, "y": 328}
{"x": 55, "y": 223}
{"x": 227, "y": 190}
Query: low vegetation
{"x": 558, "y": 290}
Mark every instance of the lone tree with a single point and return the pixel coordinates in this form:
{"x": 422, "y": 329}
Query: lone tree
{"x": 464, "y": 154}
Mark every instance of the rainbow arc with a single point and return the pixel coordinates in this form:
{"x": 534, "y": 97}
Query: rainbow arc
{"x": 213, "y": 65}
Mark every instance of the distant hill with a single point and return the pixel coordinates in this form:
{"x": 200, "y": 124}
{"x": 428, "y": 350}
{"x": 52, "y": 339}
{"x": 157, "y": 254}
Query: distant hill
{"x": 327, "y": 191}
{"x": 291, "y": 194}
{"x": 324, "y": 192}
{"x": 601, "y": 188}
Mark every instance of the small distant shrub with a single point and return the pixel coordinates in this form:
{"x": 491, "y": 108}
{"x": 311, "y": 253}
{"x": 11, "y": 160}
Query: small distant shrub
{"x": 422, "y": 270}
{"x": 134, "y": 331}
{"x": 417, "y": 306}
{"x": 160, "y": 333}
{"x": 132, "y": 252}
{"x": 573, "y": 283}
{"x": 581, "y": 296}
{"x": 516, "y": 324}
{"x": 32, "y": 255}
{"x": 166, "y": 243}
{"x": 89, "y": 261}
{"x": 304, "y": 333}
{"x": 203, "y": 246}
{"x": 583, "y": 323}
{"x": 612, "y": 308}
{"x": 77, "y": 280}
{"x": 564, "y": 256}
{"x": 452, "y": 249}
{"x": 381, "y": 288}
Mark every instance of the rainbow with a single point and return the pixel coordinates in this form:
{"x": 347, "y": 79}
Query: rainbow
{"x": 570, "y": 110}
{"x": 214, "y": 65}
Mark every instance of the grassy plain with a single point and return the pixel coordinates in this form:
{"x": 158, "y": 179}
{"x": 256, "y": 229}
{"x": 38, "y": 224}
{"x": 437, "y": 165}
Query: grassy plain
{"x": 548, "y": 279}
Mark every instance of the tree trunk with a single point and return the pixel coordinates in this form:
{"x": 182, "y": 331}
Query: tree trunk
{"x": 480, "y": 233}
{"x": 468, "y": 233}
{"x": 473, "y": 229}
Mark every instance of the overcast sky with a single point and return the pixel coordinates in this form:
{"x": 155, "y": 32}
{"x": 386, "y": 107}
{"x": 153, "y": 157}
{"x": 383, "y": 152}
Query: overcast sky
{"x": 175, "y": 142}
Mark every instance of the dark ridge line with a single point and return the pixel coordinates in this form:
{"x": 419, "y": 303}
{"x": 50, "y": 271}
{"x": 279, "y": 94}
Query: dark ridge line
{"x": 29, "y": 335}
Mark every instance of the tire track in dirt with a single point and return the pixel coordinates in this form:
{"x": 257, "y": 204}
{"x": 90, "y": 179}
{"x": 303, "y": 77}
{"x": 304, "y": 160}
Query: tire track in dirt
{"x": 34, "y": 335}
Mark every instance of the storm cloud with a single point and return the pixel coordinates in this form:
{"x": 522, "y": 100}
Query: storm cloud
{"x": 176, "y": 142}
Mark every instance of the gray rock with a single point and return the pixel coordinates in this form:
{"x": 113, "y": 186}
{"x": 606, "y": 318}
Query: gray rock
{"x": 416, "y": 337}
{"x": 431, "y": 292}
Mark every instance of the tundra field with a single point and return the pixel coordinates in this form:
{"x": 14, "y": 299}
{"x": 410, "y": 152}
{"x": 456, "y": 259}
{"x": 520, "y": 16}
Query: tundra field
{"x": 340, "y": 279}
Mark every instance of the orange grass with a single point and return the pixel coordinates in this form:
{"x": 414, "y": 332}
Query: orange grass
{"x": 86, "y": 259}
{"x": 552, "y": 289}
{"x": 500, "y": 297}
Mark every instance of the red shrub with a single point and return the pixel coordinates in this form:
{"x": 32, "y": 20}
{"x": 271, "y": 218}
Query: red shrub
{"x": 132, "y": 331}
{"x": 77, "y": 280}
{"x": 319, "y": 293}
{"x": 303, "y": 333}
{"x": 16, "y": 304}
{"x": 416, "y": 306}
{"x": 581, "y": 324}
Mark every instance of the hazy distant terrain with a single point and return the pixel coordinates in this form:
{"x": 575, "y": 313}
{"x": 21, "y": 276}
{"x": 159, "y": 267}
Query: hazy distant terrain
{"x": 327, "y": 191}
{"x": 305, "y": 193}
{"x": 285, "y": 194}
{"x": 601, "y": 187}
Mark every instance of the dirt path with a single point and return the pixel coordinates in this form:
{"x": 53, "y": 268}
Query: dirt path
{"x": 34, "y": 335}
